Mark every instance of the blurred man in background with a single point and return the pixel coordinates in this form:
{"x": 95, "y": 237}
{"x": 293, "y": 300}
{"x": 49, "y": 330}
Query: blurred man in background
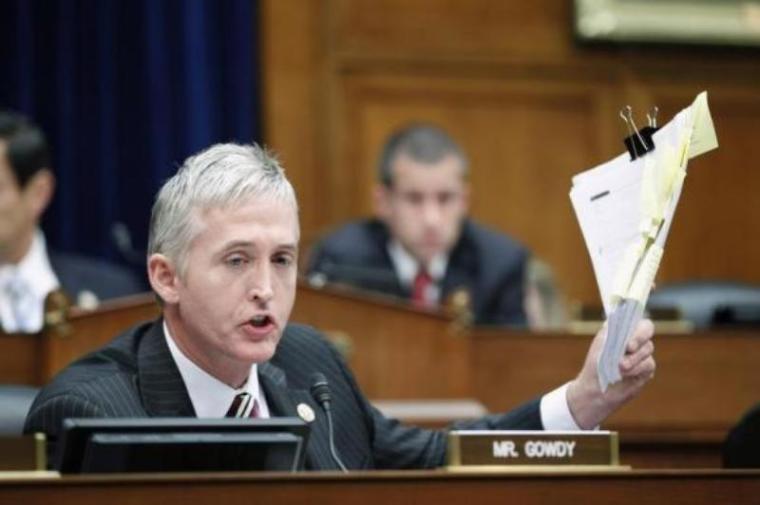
{"x": 28, "y": 270}
{"x": 421, "y": 245}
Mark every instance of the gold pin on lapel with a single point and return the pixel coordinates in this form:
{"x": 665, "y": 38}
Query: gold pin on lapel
{"x": 305, "y": 412}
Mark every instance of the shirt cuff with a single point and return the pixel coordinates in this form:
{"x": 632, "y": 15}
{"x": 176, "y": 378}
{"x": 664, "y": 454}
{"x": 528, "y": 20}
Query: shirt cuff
{"x": 555, "y": 412}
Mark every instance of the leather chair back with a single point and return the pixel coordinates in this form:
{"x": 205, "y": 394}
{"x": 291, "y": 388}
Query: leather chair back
{"x": 705, "y": 303}
{"x": 14, "y": 405}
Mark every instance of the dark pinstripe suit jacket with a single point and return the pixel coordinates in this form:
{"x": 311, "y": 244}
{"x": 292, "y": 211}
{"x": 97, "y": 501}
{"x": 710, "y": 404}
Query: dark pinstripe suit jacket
{"x": 135, "y": 376}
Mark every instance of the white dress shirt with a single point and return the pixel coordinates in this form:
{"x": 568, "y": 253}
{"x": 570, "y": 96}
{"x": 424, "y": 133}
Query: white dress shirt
{"x": 407, "y": 267}
{"x": 24, "y": 287}
{"x": 555, "y": 412}
{"x": 210, "y": 396}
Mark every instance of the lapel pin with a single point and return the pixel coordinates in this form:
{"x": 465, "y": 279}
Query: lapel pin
{"x": 305, "y": 412}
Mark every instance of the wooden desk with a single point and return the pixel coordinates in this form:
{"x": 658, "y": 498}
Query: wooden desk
{"x": 35, "y": 359}
{"x": 395, "y": 351}
{"x": 704, "y": 382}
{"x": 383, "y": 488}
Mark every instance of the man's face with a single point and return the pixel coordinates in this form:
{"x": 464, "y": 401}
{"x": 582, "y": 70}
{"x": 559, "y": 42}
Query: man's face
{"x": 425, "y": 206}
{"x": 18, "y": 217}
{"x": 239, "y": 283}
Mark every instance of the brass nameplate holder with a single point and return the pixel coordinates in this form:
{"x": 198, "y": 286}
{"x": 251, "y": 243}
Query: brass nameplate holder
{"x": 533, "y": 449}
{"x": 25, "y": 452}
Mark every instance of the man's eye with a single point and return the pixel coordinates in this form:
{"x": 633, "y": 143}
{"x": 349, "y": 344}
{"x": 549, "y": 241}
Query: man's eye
{"x": 283, "y": 260}
{"x": 236, "y": 261}
{"x": 445, "y": 198}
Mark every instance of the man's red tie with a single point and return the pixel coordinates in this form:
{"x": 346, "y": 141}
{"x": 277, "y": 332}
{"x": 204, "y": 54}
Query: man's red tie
{"x": 420, "y": 288}
{"x": 241, "y": 405}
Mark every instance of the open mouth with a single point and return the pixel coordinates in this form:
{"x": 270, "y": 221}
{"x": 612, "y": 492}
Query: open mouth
{"x": 261, "y": 321}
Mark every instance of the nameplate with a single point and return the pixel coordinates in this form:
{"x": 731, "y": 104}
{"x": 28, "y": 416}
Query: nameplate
{"x": 23, "y": 452}
{"x": 533, "y": 448}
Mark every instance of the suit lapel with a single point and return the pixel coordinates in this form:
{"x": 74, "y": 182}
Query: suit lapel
{"x": 164, "y": 394}
{"x": 284, "y": 402}
{"x": 64, "y": 275}
{"x": 383, "y": 261}
{"x": 461, "y": 272}
{"x": 387, "y": 265}
{"x": 160, "y": 384}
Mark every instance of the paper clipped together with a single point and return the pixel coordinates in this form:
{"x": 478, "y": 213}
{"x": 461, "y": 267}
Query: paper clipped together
{"x": 625, "y": 209}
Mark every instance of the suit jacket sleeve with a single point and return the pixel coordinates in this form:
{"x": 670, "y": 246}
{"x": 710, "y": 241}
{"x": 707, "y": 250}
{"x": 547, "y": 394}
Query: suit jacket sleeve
{"x": 46, "y": 417}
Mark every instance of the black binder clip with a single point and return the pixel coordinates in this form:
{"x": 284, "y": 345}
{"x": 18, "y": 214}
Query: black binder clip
{"x": 639, "y": 142}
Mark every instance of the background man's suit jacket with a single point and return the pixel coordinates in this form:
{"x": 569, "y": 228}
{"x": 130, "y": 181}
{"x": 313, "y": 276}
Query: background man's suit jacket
{"x": 78, "y": 274}
{"x": 490, "y": 266}
{"x": 135, "y": 376}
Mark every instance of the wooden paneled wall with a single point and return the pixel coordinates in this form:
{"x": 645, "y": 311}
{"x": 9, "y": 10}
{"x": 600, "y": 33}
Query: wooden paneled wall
{"x": 530, "y": 106}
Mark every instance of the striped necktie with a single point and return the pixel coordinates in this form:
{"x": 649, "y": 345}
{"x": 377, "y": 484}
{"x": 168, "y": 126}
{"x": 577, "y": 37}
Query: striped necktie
{"x": 243, "y": 405}
{"x": 22, "y": 304}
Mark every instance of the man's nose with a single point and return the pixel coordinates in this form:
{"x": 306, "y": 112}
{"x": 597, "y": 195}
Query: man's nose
{"x": 431, "y": 213}
{"x": 260, "y": 288}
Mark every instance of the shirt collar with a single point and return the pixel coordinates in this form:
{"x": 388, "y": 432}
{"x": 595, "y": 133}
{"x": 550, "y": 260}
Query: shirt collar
{"x": 34, "y": 268}
{"x": 36, "y": 274}
{"x": 210, "y": 396}
{"x": 407, "y": 266}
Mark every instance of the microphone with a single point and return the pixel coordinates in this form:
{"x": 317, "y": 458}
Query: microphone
{"x": 320, "y": 391}
{"x": 122, "y": 239}
{"x": 361, "y": 277}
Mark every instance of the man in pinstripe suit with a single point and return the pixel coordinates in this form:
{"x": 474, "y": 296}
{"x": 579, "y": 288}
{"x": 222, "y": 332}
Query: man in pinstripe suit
{"x": 222, "y": 259}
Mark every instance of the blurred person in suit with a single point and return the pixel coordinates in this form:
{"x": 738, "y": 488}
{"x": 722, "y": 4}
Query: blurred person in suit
{"x": 223, "y": 250}
{"x": 741, "y": 449}
{"x": 421, "y": 245}
{"x": 29, "y": 271}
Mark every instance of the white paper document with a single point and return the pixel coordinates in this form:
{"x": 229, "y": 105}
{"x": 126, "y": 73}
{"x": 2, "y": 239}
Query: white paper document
{"x": 625, "y": 209}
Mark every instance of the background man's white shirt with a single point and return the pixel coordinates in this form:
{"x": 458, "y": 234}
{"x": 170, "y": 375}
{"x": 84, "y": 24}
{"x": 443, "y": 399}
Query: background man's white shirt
{"x": 24, "y": 287}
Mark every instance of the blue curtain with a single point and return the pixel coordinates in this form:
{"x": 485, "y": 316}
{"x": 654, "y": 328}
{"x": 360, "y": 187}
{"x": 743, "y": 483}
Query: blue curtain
{"x": 125, "y": 90}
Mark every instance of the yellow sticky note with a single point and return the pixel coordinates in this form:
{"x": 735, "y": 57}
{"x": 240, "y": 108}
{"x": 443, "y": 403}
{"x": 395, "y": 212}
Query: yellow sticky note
{"x": 661, "y": 176}
{"x": 624, "y": 271}
{"x": 673, "y": 175}
{"x": 642, "y": 282}
{"x": 703, "y": 137}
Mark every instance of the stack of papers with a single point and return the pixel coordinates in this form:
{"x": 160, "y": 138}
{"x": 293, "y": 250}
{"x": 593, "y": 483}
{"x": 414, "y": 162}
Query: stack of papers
{"x": 625, "y": 209}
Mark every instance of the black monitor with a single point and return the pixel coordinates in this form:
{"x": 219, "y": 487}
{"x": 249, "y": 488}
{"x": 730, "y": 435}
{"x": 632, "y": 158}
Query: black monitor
{"x": 123, "y": 445}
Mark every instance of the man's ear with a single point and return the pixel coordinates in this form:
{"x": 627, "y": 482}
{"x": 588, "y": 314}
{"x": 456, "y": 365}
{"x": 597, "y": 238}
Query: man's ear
{"x": 39, "y": 191}
{"x": 164, "y": 278}
{"x": 381, "y": 195}
{"x": 466, "y": 197}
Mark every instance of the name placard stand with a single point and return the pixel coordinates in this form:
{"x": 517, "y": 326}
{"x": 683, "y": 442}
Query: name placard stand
{"x": 22, "y": 453}
{"x": 534, "y": 451}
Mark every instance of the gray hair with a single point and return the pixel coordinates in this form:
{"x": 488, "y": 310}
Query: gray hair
{"x": 423, "y": 143}
{"x": 221, "y": 176}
